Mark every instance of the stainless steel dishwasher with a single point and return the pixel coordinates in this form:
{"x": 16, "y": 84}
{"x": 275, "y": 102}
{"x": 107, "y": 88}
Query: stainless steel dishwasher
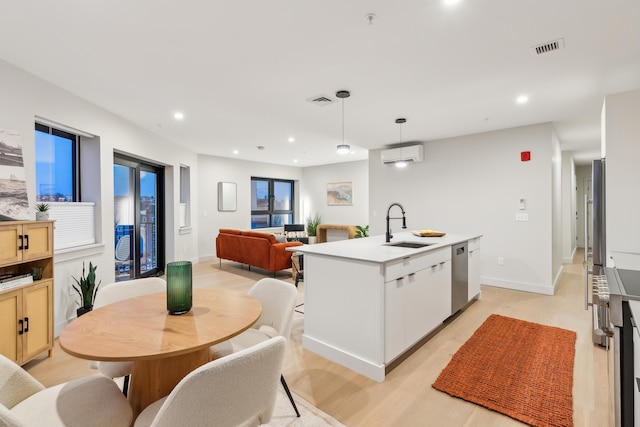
{"x": 459, "y": 276}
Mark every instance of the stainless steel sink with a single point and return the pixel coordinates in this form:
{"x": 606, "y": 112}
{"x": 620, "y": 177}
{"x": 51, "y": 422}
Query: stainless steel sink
{"x": 413, "y": 245}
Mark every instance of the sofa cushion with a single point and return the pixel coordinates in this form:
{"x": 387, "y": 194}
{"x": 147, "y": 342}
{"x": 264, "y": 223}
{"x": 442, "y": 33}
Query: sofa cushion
{"x": 270, "y": 237}
{"x": 230, "y": 231}
{"x": 280, "y": 238}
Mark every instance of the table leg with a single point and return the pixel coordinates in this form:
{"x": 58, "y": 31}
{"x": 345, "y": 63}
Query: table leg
{"x": 155, "y": 378}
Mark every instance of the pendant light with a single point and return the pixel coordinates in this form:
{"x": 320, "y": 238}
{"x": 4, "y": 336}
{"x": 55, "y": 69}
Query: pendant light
{"x": 343, "y": 148}
{"x": 401, "y": 163}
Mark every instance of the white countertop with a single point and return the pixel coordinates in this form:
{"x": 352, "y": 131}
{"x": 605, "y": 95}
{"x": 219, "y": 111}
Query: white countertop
{"x": 374, "y": 248}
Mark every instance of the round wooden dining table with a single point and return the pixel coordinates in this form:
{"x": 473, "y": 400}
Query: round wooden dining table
{"x": 163, "y": 347}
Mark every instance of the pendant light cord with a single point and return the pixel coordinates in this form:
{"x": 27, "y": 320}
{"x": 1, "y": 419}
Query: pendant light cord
{"x": 342, "y": 121}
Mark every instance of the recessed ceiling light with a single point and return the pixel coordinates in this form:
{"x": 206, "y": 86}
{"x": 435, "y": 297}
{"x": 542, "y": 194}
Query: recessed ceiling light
{"x": 178, "y": 115}
{"x": 450, "y": 2}
{"x": 292, "y": 139}
{"x": 235, "y": 151}
{"x": 522, "y": 99}
{"x": 295, "y": 160}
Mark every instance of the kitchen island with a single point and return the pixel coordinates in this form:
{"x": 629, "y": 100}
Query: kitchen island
{"x": 367, "y": 302}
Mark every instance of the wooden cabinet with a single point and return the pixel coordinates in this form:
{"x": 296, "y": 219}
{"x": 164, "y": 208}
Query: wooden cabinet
{"x": 26, "y": 311}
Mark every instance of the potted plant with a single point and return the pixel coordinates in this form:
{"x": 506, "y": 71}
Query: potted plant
{"x": 362, "y": 231}
{"x": 312, "y": 227}
{"x": 86, "y": 289}
{"x": 42, "y": 211}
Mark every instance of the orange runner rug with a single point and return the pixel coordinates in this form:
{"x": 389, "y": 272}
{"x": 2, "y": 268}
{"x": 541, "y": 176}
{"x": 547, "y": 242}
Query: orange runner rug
{"x": 518, "y": 368}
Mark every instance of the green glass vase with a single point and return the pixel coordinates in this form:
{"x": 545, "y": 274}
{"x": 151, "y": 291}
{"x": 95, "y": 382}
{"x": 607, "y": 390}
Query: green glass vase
{"x": 179, "y": 289}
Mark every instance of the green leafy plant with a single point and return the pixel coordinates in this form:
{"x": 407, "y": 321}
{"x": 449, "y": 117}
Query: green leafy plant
{"x": 42, "y": 207}
{"x": 312, "y": 224}
{"x": 87, "y": 288}
{"x": 362, "y": 231}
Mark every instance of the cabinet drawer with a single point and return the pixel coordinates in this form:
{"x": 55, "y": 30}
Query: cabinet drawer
{"x": 412, "y": 263}
{"x": 474, "y": 244}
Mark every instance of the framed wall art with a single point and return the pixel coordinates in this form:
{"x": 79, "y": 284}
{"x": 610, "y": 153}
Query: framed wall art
{"x": 340, "y": 194}
{"x": 14, "y": 203}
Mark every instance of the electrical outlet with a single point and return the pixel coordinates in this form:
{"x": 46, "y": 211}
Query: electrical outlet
{"x": 522, "y": 217}
{"x": 500, "y": 260}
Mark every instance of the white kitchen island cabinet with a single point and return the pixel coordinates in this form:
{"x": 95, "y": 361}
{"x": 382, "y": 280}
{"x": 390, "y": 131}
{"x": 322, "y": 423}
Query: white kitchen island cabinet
{"x": 366, "y": 303}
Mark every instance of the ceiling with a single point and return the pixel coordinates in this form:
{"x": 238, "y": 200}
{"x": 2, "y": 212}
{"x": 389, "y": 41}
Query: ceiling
{"x": 242, "y": 71}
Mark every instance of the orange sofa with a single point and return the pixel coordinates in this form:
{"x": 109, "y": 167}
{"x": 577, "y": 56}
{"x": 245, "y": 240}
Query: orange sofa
{"x": 254, "y": 249}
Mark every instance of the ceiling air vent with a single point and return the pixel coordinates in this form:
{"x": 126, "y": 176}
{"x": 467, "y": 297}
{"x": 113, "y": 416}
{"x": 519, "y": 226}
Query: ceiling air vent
{"x": 548, "y": 47}
{"x": 320, "y": 100}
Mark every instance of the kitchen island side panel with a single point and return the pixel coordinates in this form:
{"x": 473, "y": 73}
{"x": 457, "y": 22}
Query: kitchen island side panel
{"x": 344, "y": 312}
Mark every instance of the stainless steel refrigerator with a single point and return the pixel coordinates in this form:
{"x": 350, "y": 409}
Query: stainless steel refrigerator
{"x": 596, "y": 259}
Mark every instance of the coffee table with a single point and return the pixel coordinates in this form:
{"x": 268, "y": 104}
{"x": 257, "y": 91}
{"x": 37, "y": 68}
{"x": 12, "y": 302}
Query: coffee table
{"x": 163, "y": 348}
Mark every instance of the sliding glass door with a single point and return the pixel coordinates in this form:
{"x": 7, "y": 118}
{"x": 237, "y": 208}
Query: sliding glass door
{"x": 138, "y": 212}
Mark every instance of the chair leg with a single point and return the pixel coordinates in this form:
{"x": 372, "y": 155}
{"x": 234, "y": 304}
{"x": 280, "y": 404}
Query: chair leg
{"x": 286, "y": 389}
{"x": 125, "y": 387}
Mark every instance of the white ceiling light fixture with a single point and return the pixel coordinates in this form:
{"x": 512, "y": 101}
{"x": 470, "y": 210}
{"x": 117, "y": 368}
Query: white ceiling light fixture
{"x": 343, "y": 148}
{"x": 522, "y": 99}
{"x": 178, "y": 115}
{"x": 401, "y": 163}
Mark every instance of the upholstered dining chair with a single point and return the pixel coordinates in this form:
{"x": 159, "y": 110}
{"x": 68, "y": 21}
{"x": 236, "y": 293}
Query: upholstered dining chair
{"x": 119, "y": 291}
{"x": 238, "y": 389}
{"x": 278, "y": 299}
{"x": 93, "y": 401}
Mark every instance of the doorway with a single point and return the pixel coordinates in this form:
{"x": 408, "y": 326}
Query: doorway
{"x": 138, "y": 189}
{"x": 583, "y": 184}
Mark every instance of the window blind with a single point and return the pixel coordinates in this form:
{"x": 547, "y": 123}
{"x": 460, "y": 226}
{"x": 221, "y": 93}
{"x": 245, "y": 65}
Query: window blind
{"x": 75, "y": 224}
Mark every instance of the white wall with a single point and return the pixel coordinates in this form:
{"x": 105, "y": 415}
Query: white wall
{"x": 23, "y": 98}
{"x": 556, "y": 209}
{"x": 622, "y": 172}
{"x": 212, "y": 170}
{"x": 569, "y": 208}
{"x": 314, "y": 196}
{"x": 473, "y": 184}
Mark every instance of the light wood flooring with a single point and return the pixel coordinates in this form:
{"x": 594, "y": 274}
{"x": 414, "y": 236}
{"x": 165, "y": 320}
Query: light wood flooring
{"x": 406, "y": 397}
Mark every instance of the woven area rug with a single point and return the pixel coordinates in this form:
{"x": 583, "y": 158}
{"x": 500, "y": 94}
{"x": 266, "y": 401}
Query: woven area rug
{"x": 518, "y": 368}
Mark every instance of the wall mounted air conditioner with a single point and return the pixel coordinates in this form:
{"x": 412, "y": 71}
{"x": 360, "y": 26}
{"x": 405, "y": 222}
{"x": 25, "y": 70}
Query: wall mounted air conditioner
{"x": 412, "y": 153}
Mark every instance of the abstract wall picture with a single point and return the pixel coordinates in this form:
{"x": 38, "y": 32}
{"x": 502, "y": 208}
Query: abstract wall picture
{"x": 14, "y": 203}
{"x": 340, "y": 194}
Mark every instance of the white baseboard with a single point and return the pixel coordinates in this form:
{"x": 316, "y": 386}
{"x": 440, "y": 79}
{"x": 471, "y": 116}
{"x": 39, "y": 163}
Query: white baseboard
{"x": 518, "y": 286}
{"x": 368, "y": 369}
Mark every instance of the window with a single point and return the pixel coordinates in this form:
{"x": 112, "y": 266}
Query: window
{"x": 58, "y": 177}
{"x": 138, "y": 188}
{"x": 271, "y": 202}
{"x": 56, "y": 165}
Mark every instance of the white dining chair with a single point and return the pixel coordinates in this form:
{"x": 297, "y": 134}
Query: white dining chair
{"x": 119, "y": 291}
{"x": 93, "y": 401}
{"x": 236, "y": 390}
{"x": 278, "y": 299}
